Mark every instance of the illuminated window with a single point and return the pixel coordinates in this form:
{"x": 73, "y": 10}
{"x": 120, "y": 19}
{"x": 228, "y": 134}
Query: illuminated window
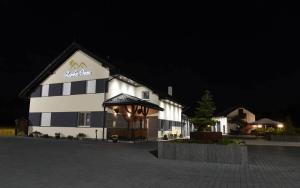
{"x": 91, "y": 86}
{"x": 66, "y": 88}
{"x": 84, "y": 119}
{"x": 45, "y": 90}
{"x": 145, "y": 95}
{"x": 45, "y": 119}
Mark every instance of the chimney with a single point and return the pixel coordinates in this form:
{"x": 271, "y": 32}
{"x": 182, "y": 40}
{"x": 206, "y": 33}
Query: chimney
{"x": 170, "y": 90}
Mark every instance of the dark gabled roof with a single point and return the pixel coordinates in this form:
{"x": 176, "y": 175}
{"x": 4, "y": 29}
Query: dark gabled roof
{"x": 125, "y": 99}
{"x": 56, "y": 63}
{"x": 65, "y": 55}
{"x": 229, "y": 110}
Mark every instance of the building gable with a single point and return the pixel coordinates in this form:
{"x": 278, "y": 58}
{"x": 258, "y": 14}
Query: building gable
{"x": 77, "y": 67}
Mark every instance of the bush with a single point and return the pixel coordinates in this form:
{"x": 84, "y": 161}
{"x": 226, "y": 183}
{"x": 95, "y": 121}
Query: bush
{"x": 174, "y": 136}
{"x": 165, "y": 137}
{"x": 180, "y": 136}
{"x": 81, "y": 135}
{"x": 45, "y": 136}
{"x": 36, "y": 134}
{"x": 57, "y": 135}
{"x": 115, "y": 137}
{"x": 70, "y": 137}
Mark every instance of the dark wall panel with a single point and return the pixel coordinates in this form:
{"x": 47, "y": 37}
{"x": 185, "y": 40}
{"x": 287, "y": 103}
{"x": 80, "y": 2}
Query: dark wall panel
{"x": 37, "y": 92}
{"x": 34, "y": 119}
{"x": 101, "y": 86}
{"x": 64, "y": 119}
{"x": 153, "y": 127}
{"x": 55, "y": 89}
{"x": 78, "y": 87}
{"x": 97, "y": 119}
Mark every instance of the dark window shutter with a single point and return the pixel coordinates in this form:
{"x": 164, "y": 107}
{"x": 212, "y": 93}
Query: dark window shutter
{"x": 78, "y": 87}
{"x": 55, "y": 89}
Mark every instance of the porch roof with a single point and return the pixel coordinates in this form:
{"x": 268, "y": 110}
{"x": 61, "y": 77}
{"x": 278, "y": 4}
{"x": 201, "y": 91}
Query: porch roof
{"x": 125, "y": 99}
{"x": 265, "y": 121}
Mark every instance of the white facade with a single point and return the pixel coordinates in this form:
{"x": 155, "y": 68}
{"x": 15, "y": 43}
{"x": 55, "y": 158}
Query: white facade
{"x": 48, "y": 110}
{"x": 221, "y": 125}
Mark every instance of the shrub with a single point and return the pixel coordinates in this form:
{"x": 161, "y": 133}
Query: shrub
{"x": 36, "y": 134}
{"x": 174, "y": 136}
{"x": 45, "y": 136}
{"x": 115, "y": 137}
{"x": 81, "y": 135}
{"x": 70, "y": 137}
{"x": 165, "y": 137}
{"x": 180, "y": 136}
{"x": 57, "y": 135}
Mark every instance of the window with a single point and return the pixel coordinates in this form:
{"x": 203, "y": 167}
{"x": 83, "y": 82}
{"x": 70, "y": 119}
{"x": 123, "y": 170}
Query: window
{"x": 84, "y": 119}
{"x": 91, "y": 86}
{"x": 67, "y": 89}
{"x": 46, "y": 119}
{"x": 145, "y": 95}
{"x": 45, "y": 90}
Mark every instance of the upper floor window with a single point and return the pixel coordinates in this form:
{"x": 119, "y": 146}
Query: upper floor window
{"x": 91, "y": 86}
{"x": 45, "y": 90}
{"x": 66, "y": 88}
{"x": 145, "y": 95}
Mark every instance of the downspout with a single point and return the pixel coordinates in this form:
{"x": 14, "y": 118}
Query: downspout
{"x": 104, "y": 110}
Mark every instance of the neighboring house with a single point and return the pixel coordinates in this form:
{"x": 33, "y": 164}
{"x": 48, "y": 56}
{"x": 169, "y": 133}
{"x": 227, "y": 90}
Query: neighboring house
{"x": 232, "y": 120}
{"x": 82, "y": 93}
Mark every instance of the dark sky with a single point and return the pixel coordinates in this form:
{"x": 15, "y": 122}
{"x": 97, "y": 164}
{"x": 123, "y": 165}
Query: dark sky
{"x": 244, "y": 53}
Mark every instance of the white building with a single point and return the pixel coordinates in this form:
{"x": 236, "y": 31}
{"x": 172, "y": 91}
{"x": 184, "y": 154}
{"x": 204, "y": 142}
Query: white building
{"x": 226, "y": 120}
{"x": 81, "y": 93}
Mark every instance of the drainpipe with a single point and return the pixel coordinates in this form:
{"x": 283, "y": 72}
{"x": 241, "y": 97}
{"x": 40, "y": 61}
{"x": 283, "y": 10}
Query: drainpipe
{"x": 104, "y": 110}
{"x": 104, "y": 122}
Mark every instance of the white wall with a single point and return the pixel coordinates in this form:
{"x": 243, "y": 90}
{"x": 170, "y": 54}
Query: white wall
{"x": 153, "y": 96}
{"x": 116, "y": 86}
{"x": 70, "y": 103}
{"x": 223, "y": 122}
{"x": 66, "y": 131}
{"x": 92, "y": 65}
{"x": 250, "y": 117}
{"x": 172, "y": 111}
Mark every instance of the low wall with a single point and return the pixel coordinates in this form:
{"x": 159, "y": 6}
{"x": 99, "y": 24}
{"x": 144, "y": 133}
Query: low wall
{"x": 232, "y": 154}
{"x": 286, "y": 138}
{"x": 7, "y": 131}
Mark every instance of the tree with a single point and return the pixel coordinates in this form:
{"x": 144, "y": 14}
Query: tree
{"x": 204, "y": 112}
{"x": 288, "y": 126}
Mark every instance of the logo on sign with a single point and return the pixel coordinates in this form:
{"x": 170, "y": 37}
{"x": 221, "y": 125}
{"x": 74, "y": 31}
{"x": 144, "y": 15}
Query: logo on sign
{"x": 77, "y": 70}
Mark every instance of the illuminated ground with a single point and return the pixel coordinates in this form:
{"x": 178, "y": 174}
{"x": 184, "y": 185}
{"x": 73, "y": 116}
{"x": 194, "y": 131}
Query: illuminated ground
{"x": 28, "y": 162}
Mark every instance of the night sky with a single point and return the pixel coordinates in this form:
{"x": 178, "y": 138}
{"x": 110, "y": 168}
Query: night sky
{"x": 244, "y": 54}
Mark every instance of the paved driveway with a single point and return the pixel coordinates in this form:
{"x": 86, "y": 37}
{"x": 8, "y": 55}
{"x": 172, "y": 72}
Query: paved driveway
{"x": 27, "y": 162}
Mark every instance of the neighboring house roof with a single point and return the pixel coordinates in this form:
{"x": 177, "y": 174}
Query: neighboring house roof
{"x": 229, "y": 110}
{"x": 265, "y": 121}
{"x": 125, "y": 99}
{"x": 65, "y": 55}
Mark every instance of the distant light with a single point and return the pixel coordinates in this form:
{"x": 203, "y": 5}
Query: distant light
{"x": 128, "y": 114}
{"x": 259, "y": 126}
{"x": 280, "y": 126}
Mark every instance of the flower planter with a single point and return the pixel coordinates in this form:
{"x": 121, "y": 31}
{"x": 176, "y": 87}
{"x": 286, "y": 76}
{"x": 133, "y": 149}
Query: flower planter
{"x": 206, "y": 136}
{"x": 232, "y": 154}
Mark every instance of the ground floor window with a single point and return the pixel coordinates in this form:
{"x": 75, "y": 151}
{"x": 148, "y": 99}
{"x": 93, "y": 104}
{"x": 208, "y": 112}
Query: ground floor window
{"x": 46, "y": 119}
{"x": 84, "y": 119}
